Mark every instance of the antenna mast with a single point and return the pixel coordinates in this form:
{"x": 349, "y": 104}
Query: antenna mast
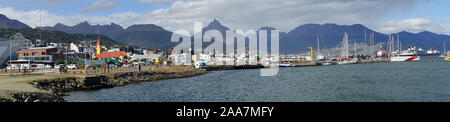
{"x": 40, "y": 23}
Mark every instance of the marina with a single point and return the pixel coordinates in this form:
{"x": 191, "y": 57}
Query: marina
{"x": 419, "y": 81}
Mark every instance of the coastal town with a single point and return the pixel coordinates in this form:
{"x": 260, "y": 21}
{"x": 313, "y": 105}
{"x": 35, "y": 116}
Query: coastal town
{"x": 40, "y": 62}
{"x": 43, "y": 63}
{"x": 85, "y": 57}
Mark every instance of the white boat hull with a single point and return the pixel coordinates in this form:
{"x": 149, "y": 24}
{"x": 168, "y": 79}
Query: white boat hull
{"x": 326, "y": 63}
{"x": 405, "y": 58}
{"x": 348, "y": 62}
{"x": 286, "y": 65}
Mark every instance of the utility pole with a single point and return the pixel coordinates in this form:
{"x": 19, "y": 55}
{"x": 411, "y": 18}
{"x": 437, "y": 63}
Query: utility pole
{"x": 10, "y": 54}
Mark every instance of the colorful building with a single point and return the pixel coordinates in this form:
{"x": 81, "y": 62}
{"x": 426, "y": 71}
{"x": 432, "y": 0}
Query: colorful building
{"x": 47, "y": 55}
{"x": 99, "y": 46}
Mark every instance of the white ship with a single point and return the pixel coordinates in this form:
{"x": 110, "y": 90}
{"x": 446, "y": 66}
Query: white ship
{"x": 432, "y": 52}
{"x": 407, "y": 55}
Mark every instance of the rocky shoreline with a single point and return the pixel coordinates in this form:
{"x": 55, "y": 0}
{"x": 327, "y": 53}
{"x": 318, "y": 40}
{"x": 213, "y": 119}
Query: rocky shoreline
{"x": 57, "y": 88}
{"x": 32, "y": 97}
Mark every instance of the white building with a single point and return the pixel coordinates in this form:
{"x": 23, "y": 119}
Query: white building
{"x": 180, "y": 59}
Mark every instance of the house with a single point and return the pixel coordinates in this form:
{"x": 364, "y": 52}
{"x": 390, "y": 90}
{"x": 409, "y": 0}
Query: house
{"x": 180, "y": 59}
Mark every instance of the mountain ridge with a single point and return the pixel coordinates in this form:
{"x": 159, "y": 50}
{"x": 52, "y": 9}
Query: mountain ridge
{"x": 295, "y": 40}
{"x": 5, "y": 22}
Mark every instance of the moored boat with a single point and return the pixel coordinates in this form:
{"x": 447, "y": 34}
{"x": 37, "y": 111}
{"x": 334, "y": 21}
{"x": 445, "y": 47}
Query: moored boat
{"x": 343, "y": 57}
{"x": 407, "y": 55}
{"x": 349, "y": 61}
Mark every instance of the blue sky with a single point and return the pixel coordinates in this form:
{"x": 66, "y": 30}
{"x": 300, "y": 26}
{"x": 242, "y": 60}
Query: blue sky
{"x": 382, "y": 15}
{"x": 434, "y": 10}
{"x": 75, "y": 6}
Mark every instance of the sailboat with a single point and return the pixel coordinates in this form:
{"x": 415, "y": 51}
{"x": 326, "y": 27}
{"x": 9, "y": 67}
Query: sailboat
{"x": 319, "y": 56}
{"x": 444, "y": 53}
{"x": 343, "y": 58}
{"x": 322, "y": 60}
{"x": 447, "y": 58}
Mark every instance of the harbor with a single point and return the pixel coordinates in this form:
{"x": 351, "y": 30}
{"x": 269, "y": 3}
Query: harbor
{"x": 420, "y": 81}
{"x": 35, "y": 74}
{"x": 47, "y": 64}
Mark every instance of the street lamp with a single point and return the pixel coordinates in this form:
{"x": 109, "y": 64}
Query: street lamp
{"x": 10, "y": 58}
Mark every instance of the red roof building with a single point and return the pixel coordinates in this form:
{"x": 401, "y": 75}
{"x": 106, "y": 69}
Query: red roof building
{"x": 119, "y": 54}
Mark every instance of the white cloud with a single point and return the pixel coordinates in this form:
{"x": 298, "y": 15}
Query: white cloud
{"x": 415, "y": 25}
{"x": 249, "y": 14}
{"x": 283, "y": 15}
{"x": 35, "y": 17}
{"x": 32, "y": 18}
{"x": 154, "y": 1}
{"x": 100, "y": 5}
{"x": 55, "y": 1}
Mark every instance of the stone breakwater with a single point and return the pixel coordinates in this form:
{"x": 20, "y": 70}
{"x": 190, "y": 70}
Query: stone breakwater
{"x": 54, "y": 89}
{"x": 15, "y": 96}
{"x": 60, "y": 86}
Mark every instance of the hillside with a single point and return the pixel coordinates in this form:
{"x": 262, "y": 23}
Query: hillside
{"x": 147, "y": 36}
{"x": 57, "y": 36}
{"x": 113, "y": 30}
{"x": 5, "y": 22}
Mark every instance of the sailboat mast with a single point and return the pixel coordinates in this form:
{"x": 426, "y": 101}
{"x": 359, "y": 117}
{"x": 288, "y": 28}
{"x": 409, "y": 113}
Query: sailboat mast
{"x": 372, "y": 43}
{"x": 444, "y": 48}
{"x": 398, "y": 42}
{"x": 318, "y": 46}
{"x": 389, "y": 44}
{"x": 346, "y": 45}
{"x": 365, "y": 43}
{"x": 354, "y": 46}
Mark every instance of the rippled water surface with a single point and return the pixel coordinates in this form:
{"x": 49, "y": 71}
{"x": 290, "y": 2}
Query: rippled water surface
{"x": 424, "y": 80}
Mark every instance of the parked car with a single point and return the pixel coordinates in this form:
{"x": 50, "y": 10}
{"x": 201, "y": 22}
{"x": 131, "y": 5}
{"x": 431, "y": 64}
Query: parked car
{"x": 127, "y": 65}
{"x": 58, "y": 66}
{"x": 72, "y": 66}
{"x": 112, "y": 66}
{"x": 47, "y": 66}
{"x": 200, "y": 65}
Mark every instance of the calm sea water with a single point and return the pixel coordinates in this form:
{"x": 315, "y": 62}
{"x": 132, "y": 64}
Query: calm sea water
{"x": 424, "y": 80}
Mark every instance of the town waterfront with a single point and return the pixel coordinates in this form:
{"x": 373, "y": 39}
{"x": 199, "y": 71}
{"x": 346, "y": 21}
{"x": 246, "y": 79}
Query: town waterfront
{"x": 424, "y": 80}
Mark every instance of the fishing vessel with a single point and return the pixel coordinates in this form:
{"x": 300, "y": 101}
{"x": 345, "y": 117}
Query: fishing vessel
{"x": 343, "y": 57}
{"x": 407, "y": 55}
